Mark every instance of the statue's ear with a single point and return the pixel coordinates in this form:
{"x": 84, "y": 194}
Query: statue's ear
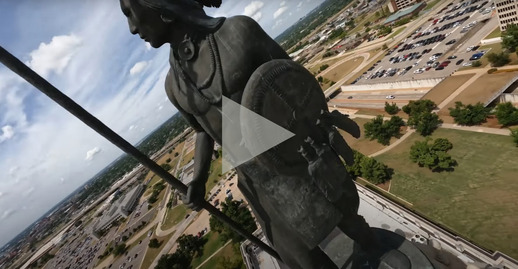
{"x": 166, "y": 19}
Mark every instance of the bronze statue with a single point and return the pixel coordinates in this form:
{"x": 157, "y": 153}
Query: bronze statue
{"x": 233, "y": 57}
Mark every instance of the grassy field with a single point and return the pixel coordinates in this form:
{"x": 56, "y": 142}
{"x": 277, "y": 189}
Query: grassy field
{"x": 494, "y": 34}
{"x": 444, "y": 89}
{"x": 152, "y": 253}
{"x": 477, "y": 200}
{"x": 212, "y": 245}
{"x": 481, "y": 90}
{"x": 214, "y": 176}
{"x": 338, "y": 72}
{"x": 430, "y": 5}
{"x": 363, "y": 144}
{"x": 175, "y": 215}
{"x": 226, "y": 252}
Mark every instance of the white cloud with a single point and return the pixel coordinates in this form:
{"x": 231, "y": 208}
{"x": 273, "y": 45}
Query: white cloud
{"x": 148, "y": 46}
{"x": 91, "y": 153}
{"x": 279, "y": 12}
{"x": 54, "y": 56}
{"x": 300, "y": 4}
{"x": 138, "y": 67}
{"x": 283, "y": 3}
{"x": 7, "y": 133}
{"x": 254, "y": 10}
{"x": 6, "y": 214}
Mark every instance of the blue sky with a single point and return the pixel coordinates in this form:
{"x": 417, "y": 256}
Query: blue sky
{"x": 85, "y": 49}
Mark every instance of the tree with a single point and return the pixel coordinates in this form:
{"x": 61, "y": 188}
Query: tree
{"x": 374, "y": 171}
{"x": 433, "y": 156}
{"x": 384, "y": 47}
{"x": 191, "y": 245}
{"x": 498, "y": 59}
{"x": 470, "y": 114}
{"x": 421, "y": 117}
{"x": 166, "y": 166}
{"x": 320, "y": 79}
{"x": 168, "y": 160}
{"x": 369, "y": 168}
{"x": 176, "y": 154}
{"x": 238, "y": 213}
{"x": 383, "y": 131}
{"x": 392, "y": 109}
{"x": 514, "y": 135}
{"x": 476, "y": 63}
{"x": 119, "y": 249}
{"x": 154, "y": 243}
{"x": 506, "y": 114}
{"x": 510, "y": 37}
{"x": 323, "y": 67}
{"x": 177, "y": 260}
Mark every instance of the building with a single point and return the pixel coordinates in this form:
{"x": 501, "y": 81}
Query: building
{"x": 395, "y": 5}
{"x": 406, "y": 12}
{"x": 131, "y": 199}
{"x": 381, "y": 212}
{"x": 507, "y": 11}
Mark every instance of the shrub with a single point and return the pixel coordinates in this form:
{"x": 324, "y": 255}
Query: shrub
{"x": 498, "y": 59}
{"x": 392, "y": 109}
{"x": 506, "y": 114}
{"x": 433, "y": 156}
{"x": 470, "y": 114}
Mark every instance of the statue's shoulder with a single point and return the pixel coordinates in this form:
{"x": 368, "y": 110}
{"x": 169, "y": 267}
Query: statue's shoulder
{"x": 244, "y": 25}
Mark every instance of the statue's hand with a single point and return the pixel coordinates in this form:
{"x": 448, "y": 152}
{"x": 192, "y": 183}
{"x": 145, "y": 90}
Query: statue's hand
{"x": 195, "y": 195}
{"x": 335, "y": 140}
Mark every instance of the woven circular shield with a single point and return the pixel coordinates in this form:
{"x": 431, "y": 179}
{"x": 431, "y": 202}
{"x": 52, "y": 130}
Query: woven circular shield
{"x": 288, "y": 95}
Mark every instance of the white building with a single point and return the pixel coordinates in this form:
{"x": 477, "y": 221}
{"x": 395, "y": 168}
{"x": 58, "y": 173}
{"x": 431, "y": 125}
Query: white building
{"x": 395, "y": 5}
{"x": 507, "y": 11}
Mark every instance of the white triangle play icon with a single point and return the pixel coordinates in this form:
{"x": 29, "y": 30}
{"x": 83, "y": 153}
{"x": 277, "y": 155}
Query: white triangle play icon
{"x": 240, "y": 142}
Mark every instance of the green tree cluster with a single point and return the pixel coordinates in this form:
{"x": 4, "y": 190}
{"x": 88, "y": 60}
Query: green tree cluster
{"x": 469, "y": 114}
{"x": 239, "y": 213}
{"x": 476, "y": 63}
{"x": 383, "y": 131}
{"x": 421, "y": 117}
{"x": 370, "y": 169}
{"x": 157, "y": 189}
{"x": 177, "y": 260}
{"x": 510, "y": 38}
{"x": 384, "y": 30}
{"x": 189, "y": 246}
{"x": 154, "y": 243}
{"x": 433, "y": 155}
{"x": 506, "y": 114}
{"x": 392, "y": 109}
{"x": 324, "y": 67}
{"x": 498, "y": 59}
{"x": 119, "y": 249}
{"x": 166, "y": 166}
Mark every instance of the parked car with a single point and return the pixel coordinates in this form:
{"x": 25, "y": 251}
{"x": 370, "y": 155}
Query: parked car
{"x": 459, "y": 61}
{"x": 452, "y": 57}
{"x": 467, "y": 64}
{"x": 390, "y": 97}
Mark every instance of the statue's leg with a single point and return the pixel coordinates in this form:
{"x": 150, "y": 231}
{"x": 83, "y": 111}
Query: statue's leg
{"x": 296, "y": 254}
{"x": 356, "y": 228}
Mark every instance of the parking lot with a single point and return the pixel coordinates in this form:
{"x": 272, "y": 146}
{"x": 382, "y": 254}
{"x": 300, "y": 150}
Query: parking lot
{"x": 438, "y": 47}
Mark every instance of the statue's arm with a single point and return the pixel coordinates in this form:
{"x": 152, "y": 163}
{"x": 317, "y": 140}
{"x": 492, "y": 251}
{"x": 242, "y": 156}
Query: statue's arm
{"x": 203, "y": 151}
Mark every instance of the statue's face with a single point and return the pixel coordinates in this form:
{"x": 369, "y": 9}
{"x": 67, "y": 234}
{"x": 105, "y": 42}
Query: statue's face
{"x": 145, "y": 22}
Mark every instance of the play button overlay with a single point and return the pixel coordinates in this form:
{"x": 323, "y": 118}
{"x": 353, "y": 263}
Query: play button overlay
{"x": 238, "y": 144}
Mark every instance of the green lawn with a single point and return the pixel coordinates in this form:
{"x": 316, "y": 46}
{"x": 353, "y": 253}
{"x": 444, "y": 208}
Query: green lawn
{"x": 214, "y": 176}
{"x": 212, "y": 245}
{"x": 174, "y": 216}
{"x": 152, "y": 253}
{"x": 227, "y": 252}
{"x": 430, "y": 5}
{"x": 478, "y": 200}
{"x": 494, "y": 34}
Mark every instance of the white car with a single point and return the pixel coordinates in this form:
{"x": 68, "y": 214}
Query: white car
{"x": 390, "y": 97}
{"x": 419, "y": 71}
{"x": 470, "y": 48}
{"x": 467, "y": 64}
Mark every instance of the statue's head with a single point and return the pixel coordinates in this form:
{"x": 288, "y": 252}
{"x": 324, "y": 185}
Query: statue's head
{"x": 154, "y": 20}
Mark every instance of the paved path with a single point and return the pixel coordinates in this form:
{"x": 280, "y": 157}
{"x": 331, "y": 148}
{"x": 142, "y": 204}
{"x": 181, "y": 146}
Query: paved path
{"x": 213, "y": 254}
{"x": 179, "y": 231}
